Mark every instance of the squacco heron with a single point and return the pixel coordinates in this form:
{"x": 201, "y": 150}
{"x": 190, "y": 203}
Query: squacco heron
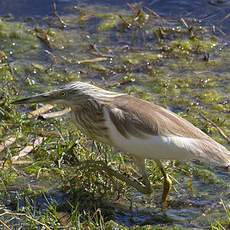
{"x": 137, "y": 127}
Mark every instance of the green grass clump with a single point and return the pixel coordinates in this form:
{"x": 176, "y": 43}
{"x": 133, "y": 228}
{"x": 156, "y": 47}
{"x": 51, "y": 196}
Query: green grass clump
{"x": 139, "y": 53}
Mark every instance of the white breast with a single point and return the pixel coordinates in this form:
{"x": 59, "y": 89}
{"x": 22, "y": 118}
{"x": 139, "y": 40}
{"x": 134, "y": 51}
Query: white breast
{"x": 152, "y": 147}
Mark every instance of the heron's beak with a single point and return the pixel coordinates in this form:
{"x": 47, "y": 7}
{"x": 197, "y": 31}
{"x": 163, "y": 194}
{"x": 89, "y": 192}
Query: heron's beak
{"x": 40, "y": 98}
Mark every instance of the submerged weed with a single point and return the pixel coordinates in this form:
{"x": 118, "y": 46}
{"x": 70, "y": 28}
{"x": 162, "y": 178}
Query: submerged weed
{"x": 178, "y": 65}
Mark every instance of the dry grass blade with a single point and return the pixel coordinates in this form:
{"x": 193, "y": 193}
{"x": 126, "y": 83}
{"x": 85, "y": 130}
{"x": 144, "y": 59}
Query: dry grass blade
{"x": 86, "y": 61}
{"x": 28, "y": 149}
{"x": 55, "y": 114}
{"x": 226, "y": 17}
{"x": 16, "y": 162}
{"x": 99, "y": 53}
{"x": 8, "y": 142}
{"x": 125, "y": 23}
{"x": 26, "y": 216}
{"x": 184, "y": 23}
{"x": 52, "y": 57}
{"x": 153, "y": 13}
{"x": 55, "y": 14}
{"x": 221, "y": 132}
{"x": 64, "y": 218}
{"x": 40, "y": 111}
{"x": 220, "y": 31}
{"x": 4, "y": 224}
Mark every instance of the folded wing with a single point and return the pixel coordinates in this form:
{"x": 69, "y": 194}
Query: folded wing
{"x": 133, "y": 117}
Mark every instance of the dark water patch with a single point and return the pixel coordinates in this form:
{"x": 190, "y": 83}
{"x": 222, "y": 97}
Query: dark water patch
{"x": 26, "y": 8}
{"x": 183, "y": 211}
{"x": 141, "y": 218}
{"x": 210, "y": 12}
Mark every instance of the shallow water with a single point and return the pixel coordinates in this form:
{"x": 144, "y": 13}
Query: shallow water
{"x": 185, "y": 85}
{"x": 209, "y": 12}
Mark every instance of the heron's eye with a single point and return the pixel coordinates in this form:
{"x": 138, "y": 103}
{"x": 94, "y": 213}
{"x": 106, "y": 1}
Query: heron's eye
{"x": 63, "y": 94}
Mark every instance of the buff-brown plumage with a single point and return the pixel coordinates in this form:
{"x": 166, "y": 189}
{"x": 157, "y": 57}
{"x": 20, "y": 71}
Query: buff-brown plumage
{"x": 125, "y": 122}
{"x": 142, "y": 129}
{"x": 139, "y": 118}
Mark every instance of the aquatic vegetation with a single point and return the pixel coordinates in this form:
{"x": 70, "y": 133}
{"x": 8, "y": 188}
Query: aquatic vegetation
{"x": 136, "y": 58}
{"x": 178, "y": 64}
{"x": 222, "y": 223}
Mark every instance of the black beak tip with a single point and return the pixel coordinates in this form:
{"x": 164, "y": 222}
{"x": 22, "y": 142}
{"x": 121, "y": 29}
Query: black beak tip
{"x": 18, "y": 102}
{"x": 15, "y": 102}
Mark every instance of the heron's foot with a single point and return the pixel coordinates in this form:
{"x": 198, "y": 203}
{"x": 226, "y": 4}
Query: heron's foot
{"x": 166, "y": 188}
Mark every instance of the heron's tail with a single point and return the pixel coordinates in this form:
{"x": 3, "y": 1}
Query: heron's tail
{"x": 210, "y": 150}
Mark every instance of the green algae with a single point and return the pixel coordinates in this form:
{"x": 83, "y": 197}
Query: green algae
{"x": 210, "y": 96}
{"x": 8, "y": 177}
{"x": 136, "y": 58}
{"x": 167, "y": 65}
{"x": 17, "y": 40}
{"x": 17, "y": 31}
{"x": 5, "y": 74}
{"x": 109, "y": 21}
{"x": 190, "y": 46}
{"x": 207, "y": 176}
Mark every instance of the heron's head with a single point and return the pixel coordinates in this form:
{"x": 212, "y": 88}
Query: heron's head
{"x": 70, "y": 95}
{"x": 66, "y": 95}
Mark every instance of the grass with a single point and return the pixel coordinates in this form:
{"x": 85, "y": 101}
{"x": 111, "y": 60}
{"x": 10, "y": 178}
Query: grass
{"x": 163, "y": 62}
{"x": 222, "y": 223}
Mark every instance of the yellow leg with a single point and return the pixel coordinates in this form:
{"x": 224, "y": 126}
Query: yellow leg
{"x": 190, "y": 187}
{"x": 140, "y": 163}
{"x": 166, "y": 186}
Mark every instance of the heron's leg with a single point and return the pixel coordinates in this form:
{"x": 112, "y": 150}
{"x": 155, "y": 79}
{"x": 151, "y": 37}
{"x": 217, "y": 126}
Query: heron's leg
{"x": 167, "y": 184}
{"x": 140, "y": 163}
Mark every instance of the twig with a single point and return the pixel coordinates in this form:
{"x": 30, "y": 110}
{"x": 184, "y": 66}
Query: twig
{"x": 55, "y": 14}
{"x": 40, "y": 111}
{"x": 28, "y": 149}
{"x": 153, "y": 12}
{"x": 54, "y": 8}
{"x": 52, "y": 57}
{"x": 155, "y": 15}
{"x": 44, "y": 37}
{"x": 16, "y": 162}
{"x": 86, "y": 61}
{"x": 98, "y": 52}
{"x": 27, "y": 216}
{"x": 221, "y": 132}
{"x": 225, "y": 18}
{"x": 125, "y": 23}
{"x": 4, "y": 224}
{"x": 221, "y": 31}
{"x": 184, "y": 23}
{"x": 55, "y": 114}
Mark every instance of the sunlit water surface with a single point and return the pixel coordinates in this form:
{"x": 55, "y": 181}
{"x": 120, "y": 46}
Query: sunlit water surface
{"x": 187, "y": 210}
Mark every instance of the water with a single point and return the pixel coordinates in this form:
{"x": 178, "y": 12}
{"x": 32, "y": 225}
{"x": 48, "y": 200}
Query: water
{"x": 214, "y": 12}
{"x": 183, "y": 85}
